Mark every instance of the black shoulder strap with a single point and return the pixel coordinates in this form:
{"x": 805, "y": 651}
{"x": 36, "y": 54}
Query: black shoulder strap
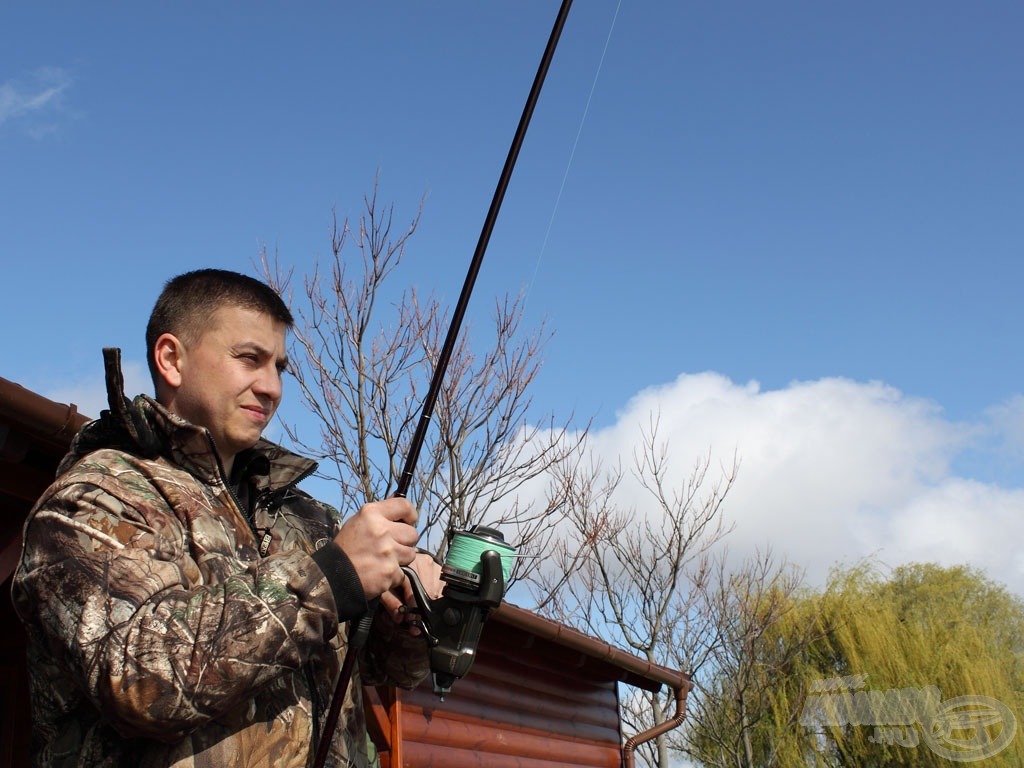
{"x": 124, "y": 411}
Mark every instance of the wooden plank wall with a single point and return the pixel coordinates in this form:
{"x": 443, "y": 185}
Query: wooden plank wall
{"x": 526, "y": 703}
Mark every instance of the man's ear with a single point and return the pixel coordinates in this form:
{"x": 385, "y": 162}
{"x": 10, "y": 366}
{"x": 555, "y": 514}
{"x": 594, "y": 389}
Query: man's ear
{"x": 169, "y": 356}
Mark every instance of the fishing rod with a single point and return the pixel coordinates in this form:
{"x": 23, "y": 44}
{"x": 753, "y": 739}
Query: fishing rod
{"x": 452, "y": 622}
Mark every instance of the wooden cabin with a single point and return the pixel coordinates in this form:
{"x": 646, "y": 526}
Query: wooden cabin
{"x": 539, "y": 693}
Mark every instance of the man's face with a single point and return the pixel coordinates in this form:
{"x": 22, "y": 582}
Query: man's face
{"x": 231, "y": 378}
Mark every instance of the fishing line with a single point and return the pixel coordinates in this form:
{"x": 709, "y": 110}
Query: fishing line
{"x": 572, "y": 154}
{"x": 462, "y": 560}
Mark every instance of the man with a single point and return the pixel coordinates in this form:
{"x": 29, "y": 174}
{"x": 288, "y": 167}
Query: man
{"x": 185, "y": 603}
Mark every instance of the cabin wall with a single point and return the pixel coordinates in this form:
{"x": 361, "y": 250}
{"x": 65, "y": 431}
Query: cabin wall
{"x": 34, "y": 435}
{"x": 526, "y": 703}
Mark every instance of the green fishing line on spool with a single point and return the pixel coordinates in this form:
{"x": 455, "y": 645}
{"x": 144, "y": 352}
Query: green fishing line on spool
{"x": 466, "y": 547}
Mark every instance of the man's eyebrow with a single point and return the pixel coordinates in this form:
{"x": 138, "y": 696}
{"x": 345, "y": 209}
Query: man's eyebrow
{"x": 259, "y": 349}
{"x": 250, "y": 346}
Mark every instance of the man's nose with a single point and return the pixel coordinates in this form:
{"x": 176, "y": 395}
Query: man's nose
{"x": 269, "y": 383}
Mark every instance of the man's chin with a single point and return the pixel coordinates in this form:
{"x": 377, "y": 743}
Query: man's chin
{"x": 244, "y": 442}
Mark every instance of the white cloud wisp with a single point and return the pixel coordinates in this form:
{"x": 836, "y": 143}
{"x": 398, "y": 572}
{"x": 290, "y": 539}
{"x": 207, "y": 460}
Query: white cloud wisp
{"x": 35, "y": 100}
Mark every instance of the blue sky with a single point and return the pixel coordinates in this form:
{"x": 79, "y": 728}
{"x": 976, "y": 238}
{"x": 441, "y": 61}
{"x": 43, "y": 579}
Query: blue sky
{"x": 806, "y": 214}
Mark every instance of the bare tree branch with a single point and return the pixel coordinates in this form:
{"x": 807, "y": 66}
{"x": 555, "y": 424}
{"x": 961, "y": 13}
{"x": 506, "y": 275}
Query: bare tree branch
{"x": 362, "y": 364}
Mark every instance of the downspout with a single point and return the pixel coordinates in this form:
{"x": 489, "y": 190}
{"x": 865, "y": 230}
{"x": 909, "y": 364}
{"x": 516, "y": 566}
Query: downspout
{"x": 664, "y": 727}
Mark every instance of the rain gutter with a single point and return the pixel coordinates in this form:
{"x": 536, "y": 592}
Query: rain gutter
{"x": 46, "y": 420}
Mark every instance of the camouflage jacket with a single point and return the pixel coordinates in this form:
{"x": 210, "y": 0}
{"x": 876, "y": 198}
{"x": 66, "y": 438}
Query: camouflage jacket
{"x": 168, "y": 627}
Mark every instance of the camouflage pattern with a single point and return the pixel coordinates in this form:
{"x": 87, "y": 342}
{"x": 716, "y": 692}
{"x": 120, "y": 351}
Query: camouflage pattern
{"x": 158, "y": 635}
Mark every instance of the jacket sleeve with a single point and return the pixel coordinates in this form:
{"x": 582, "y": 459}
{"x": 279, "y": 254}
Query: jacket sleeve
{"x": 163, "y": 631}
{"x": 345, "y": 584}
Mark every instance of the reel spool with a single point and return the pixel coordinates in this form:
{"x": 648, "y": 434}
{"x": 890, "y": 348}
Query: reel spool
{"x": 463, "y": 565}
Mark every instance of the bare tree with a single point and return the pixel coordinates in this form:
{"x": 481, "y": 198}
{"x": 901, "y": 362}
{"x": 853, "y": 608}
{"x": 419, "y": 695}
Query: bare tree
{"x": 741, "y": 714}
{"x": 363, "y": 364}
{"x": 633, "y": 577}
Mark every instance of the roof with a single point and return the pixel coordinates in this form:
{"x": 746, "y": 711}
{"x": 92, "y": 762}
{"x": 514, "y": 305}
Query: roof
{"x": 34, "y": 435}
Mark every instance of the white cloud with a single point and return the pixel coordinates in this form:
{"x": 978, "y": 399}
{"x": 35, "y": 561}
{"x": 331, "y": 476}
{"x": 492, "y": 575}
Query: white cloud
{"x": 36, "y": 100}
{"x": 835, "y": 470}
{"x": 960, "y": 521}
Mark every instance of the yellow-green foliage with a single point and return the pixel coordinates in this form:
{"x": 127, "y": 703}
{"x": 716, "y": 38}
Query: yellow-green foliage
{"x": 922, "y": 632}
{"x": 916, "y": 637}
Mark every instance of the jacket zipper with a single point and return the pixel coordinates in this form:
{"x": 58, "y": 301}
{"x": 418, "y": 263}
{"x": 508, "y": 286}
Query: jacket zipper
{"x": 262, "y": 502}
{"x": 263, "y": 548}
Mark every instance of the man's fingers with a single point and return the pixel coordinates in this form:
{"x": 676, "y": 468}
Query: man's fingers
{"x": 404, "y": 538}
{"x": 378, "y": 540}
{"x": 398, "y": 509}
{"x": 390, "y": 602}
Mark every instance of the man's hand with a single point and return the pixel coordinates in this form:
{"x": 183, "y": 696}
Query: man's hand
{"x": 395, "y": 600}
{"x": 378, "y": 540}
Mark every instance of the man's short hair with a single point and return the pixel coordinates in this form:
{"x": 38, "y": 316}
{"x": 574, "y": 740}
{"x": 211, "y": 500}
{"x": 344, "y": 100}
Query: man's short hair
{"x": 187, "y": 303}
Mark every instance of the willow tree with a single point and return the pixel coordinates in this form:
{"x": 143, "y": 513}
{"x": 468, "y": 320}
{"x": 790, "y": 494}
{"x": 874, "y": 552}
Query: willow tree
{"x": 924, "y": 666}
{"x": 362, "y": 354}
{"x": 921, "y": 666}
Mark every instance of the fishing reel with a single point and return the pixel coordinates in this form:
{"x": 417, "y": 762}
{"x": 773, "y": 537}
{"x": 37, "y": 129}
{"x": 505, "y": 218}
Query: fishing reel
{"x": 475, "y": 572}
